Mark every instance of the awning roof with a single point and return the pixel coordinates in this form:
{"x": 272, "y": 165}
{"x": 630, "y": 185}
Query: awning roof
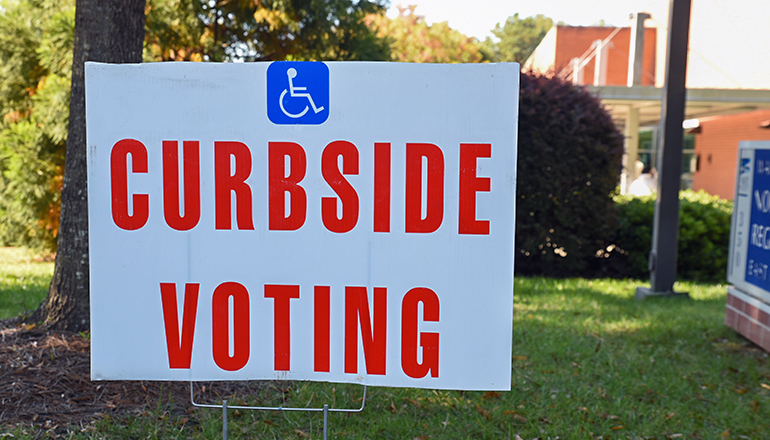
{"x": 701, "y": 103}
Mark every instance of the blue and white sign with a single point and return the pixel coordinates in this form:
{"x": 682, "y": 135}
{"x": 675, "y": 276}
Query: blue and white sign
{"x": 298, "y": 93}
{"x": 749, "y": 264}
{"x": 758, "y": 254}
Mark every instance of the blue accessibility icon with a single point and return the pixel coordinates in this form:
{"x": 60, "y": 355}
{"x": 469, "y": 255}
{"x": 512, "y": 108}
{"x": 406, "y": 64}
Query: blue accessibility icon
{"x": 298, "y": 93}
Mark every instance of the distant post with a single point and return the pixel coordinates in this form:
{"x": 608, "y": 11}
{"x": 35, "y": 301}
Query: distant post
{"x": 636, "y": 49}
{"x": 665, "y": 232}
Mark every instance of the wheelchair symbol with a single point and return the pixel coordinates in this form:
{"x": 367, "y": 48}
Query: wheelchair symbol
{"x": 298, "y": 93}
{"x": 294, "y": 92}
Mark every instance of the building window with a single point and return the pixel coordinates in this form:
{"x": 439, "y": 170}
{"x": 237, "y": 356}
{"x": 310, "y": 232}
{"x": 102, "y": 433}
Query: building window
{"x": 648, "y": 153}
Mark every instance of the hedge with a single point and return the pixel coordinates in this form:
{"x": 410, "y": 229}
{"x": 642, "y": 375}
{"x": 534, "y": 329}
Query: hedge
{"x": 704, "y": 237}
{"x": 569, "y": 163}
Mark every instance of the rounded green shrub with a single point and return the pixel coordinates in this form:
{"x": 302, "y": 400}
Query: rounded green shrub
{"x": 569, "y": 162}
{"x": 704, "y": 237}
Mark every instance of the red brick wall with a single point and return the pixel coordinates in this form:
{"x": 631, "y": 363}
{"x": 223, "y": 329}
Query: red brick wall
{"x": 749, "y": 317}
{"x": 717, "y": 147}
{"x": 573, "y": 42}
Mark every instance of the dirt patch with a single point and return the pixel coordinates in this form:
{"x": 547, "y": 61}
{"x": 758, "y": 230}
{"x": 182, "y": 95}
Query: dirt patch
{"x": 45, "y": 381}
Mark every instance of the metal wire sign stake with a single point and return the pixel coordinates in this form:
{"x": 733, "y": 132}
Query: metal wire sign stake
{"x": 326, "y": 410}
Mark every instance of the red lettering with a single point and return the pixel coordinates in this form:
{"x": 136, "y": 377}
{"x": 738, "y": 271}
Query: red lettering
{"x": 220, "y": 310}
{"x": 192, "y": 185}
{"x": 336, "y": 180}
{"x": 470, "y": 184}
{"x": 228, "y": 180}
{"x": 231, "y": 327}
{"x": 381, "y": 187}
{"x": 410, "y": 337}
{"x": 322, "y": 314}
{"x": 179, "y": 349}
{"x": 434, "y": 204}
{"x": 282, "y": 325}
{"x": 373, "y": 339}
{"x": 280, "y": 184}
{"x": 119, "y": 179}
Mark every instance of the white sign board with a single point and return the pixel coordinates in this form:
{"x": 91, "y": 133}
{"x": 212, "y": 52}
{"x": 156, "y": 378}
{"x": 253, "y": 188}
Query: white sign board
{"x": 341, "y": 222}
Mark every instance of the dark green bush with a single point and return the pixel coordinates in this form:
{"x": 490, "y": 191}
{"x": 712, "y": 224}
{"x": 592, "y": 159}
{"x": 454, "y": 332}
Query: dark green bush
{"x": 704, "y": 236}
{"x": 569, "y": 154}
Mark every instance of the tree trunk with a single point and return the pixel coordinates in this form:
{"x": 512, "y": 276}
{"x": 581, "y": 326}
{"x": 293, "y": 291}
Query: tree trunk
{"x": 108, "y": 31}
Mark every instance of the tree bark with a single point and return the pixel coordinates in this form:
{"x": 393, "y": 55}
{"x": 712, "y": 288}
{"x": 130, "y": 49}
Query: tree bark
{"x": 107, "y": 31}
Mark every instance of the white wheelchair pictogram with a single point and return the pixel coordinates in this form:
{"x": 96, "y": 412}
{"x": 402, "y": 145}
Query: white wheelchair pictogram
{"x": 293, "y": 92}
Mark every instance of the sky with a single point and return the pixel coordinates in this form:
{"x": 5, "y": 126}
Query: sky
{"x": 723, "y": 48}
{"x": 479, "y": 19}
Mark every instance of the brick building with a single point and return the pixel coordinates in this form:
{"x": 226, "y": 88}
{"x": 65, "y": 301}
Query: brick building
{"x": 563, "y": 44}
{"x": 716, "y": 145}
{"x": 728, "y": 97}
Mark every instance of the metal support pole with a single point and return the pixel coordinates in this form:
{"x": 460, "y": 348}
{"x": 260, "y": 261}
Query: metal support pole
{"x": 665, "y": 233}
{"x": 600, "y": 62}
{"x": 326, "y": 421}
{"x": 630, "y": 149}
{"x": 224, "y": 419}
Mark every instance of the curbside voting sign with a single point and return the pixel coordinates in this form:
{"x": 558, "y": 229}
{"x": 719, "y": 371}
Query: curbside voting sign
{"x": 339, "y": 222}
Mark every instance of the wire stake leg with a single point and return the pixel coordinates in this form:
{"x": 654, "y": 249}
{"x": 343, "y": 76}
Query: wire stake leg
{"x": 326, "y": 421}
{"x": 224, "y": 419}
{"x": 326, "y": 410}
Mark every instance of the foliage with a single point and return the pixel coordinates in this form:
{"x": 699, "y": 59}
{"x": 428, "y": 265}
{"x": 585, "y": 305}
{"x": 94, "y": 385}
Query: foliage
{"x": 704, "y": 237}
{"x": 518, "y": 38}
{"x": 31, "y": 163}
{"x": 413, "y": 40}
{"x": 263, "y": 30}
{"x": 174, "y": 32}
{"x": 568, "y": 167}
{"x": 627, "y": 255}
{"x": 36, "y": 65}
{"x": 35, "y": 69}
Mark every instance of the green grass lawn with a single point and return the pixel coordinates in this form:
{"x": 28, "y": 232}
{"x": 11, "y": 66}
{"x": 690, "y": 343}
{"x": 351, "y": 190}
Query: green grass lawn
{"x": 589, "y": 362}
{"x": 590, "y": 359}
{"x": 24, "y": 281}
